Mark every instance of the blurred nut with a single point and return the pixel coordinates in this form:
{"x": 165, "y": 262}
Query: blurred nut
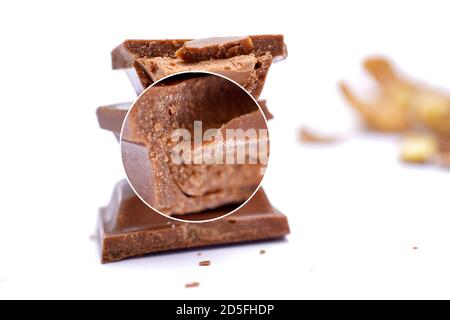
{"x": 419, "y": 149}
{"x": 400, "y": 103}
{"x": 380, "y": 115}
{"x": 433, "y": 111}
{"x": 443, "y": 159}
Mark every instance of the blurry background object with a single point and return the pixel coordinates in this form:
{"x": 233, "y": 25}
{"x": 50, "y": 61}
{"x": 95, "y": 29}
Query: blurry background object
{"x": 308, "y": 136}
{"x": 403, "y": 106}
{"x": 419, "y": 149}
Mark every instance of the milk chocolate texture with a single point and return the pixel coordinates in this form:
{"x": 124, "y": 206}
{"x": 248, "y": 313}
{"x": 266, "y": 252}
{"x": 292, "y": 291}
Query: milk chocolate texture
{"x": 147, "y": 145}
{"x": 245, "y": 60}
{"x": 111, "y": 118}
{"x": 127, "y": 227}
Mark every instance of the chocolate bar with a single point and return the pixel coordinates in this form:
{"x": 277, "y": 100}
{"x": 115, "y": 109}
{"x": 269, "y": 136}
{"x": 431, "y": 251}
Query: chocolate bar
{"x": 127, "y": 227}
{"x": 245, "y": 60}
{"x": 111, "y": 117}
{"x": 128, "y": 51}
{"x": 180, "y": 188}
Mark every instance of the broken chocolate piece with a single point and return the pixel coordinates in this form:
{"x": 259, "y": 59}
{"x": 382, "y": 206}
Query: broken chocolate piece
{"x": 164, "y": 190}
{"x": 124, "y": 54}
{"x": 130, "y": 50}
{"x": 214, "y": 48}
{"x": 239, "y": 68}
{"x": 153, "y": 59}
{"x": 127, "y": 227}
{"x": 178, "y": 102}
{"x": 248, "y": 71}
{"x": 272, "y": 43}
{"x": 111, "y": 117}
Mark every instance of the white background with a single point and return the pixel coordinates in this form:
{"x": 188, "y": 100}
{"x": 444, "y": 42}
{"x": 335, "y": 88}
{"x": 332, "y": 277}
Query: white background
{"x": 355, "y": 212}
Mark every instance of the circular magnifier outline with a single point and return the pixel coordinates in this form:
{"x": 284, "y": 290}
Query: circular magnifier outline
{"x": 123, "y": 164}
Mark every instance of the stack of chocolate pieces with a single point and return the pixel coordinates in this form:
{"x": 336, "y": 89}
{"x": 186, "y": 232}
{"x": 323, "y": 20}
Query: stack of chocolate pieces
{"x": 127, "y": 226}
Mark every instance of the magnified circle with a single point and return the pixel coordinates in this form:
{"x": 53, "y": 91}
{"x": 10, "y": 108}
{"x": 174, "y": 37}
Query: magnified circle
{"x": 195, "y": 146}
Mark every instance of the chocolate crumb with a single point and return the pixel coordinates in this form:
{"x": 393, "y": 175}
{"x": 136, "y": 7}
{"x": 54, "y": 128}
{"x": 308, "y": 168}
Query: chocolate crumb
{"x": 204, "y": 263}
{"x": 415, "y": 248}
{"x": 307, "y": 136}
{"x": 192, "y": 285}
{"x": 262, "y": 251}
{"x": 199, "y": 254}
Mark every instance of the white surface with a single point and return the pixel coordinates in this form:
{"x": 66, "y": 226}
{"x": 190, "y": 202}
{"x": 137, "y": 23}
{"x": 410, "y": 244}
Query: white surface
{"x": 355, "y": 212}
